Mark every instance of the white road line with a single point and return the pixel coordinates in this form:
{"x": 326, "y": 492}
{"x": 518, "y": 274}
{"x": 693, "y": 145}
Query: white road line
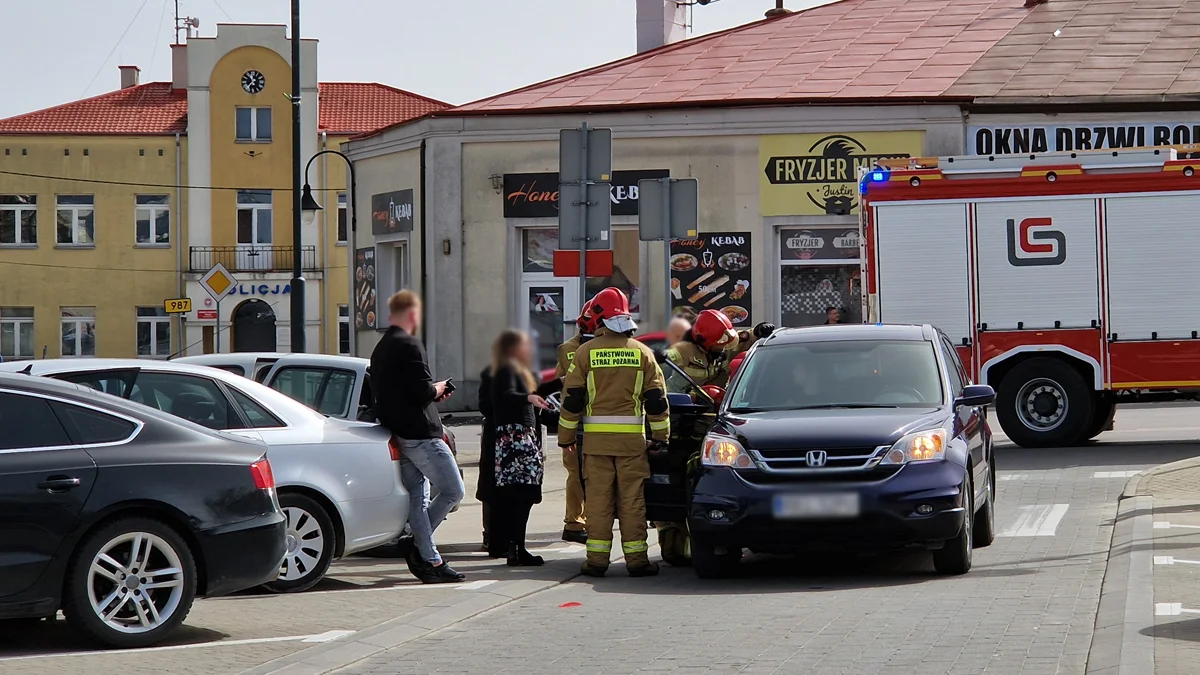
{"x": 321, "y": 637}
{"x": 1172, "y": 609}
{"x": 1013, "y": 476}
{"x": 1116, "y": 474}
{"x": 475, "y": 585}
{"x": 1164, "y": 525}
{"x": 1036, "y": 521}
{"x": 1172, "y": 560}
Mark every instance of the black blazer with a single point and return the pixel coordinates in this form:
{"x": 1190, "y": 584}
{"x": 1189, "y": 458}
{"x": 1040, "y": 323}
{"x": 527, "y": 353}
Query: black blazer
{"x": 510, "y": 403}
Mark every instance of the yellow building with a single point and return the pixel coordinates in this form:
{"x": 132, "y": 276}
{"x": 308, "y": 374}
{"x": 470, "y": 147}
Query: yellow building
{"x": 111, "y": 205}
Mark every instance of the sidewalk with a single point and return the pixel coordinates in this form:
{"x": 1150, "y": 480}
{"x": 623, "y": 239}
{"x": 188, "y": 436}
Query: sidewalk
{"x": 1149, "y": 615}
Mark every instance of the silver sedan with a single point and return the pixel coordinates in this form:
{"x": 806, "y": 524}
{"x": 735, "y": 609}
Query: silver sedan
{"x": 338, "y": 480}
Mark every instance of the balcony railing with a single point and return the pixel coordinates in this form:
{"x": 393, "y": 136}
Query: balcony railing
{"x": 252, "y": 258}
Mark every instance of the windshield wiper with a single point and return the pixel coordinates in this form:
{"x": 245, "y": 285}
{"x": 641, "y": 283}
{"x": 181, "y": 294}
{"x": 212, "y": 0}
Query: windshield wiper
{"x": 832, "y": 406}
{"x": 745, "y": 409}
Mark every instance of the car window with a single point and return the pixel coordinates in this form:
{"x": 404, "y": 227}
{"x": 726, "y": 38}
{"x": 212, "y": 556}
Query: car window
{"x": 335, "y": 399}
{"x": 28, "y": 422}
{"x": 258, "y": 416}
{"x": 116, "y": 383}
{"x": 196, "y": 399}
{"x": 366, "y": 398}
{"x": 91, "y": 426}
{"x": 261, "y": 370}
{"x": 236, "y": 370}
{"x": 900, "y": 373}
{"x": 953, "y": 372}
{"x": 302, "y": 384}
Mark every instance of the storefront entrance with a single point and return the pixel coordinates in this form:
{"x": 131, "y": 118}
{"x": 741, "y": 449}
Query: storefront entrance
{"x": 253, "y": 327}
{"x": 550, "y": 309}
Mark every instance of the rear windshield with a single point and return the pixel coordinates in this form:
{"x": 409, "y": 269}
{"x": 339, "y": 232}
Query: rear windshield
{"x": 852, "y": 373}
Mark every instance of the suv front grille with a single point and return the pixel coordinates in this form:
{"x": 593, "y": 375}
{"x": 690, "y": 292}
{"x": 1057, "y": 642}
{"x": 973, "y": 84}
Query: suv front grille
{"x": 835, "y": 459}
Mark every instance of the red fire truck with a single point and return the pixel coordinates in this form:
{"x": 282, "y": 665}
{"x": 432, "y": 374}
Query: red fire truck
{"x": 1069, "y": 282}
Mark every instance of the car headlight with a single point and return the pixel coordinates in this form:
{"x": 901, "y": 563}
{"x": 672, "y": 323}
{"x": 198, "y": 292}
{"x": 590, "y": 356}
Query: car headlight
{"x": 922, "y": 446}
{"x": 724, "y": 451}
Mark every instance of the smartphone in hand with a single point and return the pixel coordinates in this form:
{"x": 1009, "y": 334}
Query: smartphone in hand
{"x": 449, "y": 385}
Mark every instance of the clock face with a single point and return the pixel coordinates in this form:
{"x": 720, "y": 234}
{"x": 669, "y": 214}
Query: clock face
{"x": 253, "y": 81}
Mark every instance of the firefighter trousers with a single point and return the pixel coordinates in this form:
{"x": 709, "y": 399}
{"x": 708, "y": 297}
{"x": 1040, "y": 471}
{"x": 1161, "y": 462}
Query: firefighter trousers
{"x": 574, "y": 518}
{"x": 615, "y": 488}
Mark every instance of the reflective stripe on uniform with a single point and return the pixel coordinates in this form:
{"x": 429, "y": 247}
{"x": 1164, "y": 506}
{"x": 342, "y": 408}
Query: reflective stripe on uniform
{"x": 599, "y": 546}
{"x": 634, "y": 546}
{"x": 659, "y": 426}
{"x": 614, "y": 424}
{"x": 613, "y": 419}
{"x": 637, "y": 394}
{"x": 615, "y": 358}
{"x": 591, "y": 388}
{"x": 570, "y": 356}
{"x": 568, "y": 424}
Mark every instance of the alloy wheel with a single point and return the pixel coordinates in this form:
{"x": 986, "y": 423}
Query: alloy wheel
{"x": 305, "y": 544}
{"x": 135, "y": 582}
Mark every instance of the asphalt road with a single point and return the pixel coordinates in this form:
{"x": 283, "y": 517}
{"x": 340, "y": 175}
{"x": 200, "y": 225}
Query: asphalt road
{"x": 1028, "y": 606}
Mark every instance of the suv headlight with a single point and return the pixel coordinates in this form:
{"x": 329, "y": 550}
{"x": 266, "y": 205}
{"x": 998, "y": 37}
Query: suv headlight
{"x": 724, "y": 451}
{"x": 922, "y": 446}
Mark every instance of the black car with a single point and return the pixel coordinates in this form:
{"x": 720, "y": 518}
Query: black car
{"x": 846, "y": 437}
{"x": 120, "y": 515}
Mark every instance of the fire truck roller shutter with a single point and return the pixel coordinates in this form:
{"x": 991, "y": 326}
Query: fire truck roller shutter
{"x": 922, "y": 266}
{"x": 1037, "y": 263}
{"x": 1153, "y": 284}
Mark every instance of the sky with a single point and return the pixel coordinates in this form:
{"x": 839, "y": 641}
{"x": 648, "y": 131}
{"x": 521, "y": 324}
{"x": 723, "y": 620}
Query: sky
{"x": 452, "y": 50}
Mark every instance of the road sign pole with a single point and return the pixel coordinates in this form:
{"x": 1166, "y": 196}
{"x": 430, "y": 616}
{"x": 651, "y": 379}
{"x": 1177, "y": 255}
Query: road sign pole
{"x": 217, "y": 331}
{"x": 666, "y": 211}
{"x": 583, "y": 204}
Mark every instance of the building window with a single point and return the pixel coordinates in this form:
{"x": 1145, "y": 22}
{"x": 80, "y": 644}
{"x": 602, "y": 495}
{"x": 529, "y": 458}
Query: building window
{"x": 76, "y": 220}
{"x": 254, "y": 124}
{"x": 818, "y": 271}
{"x": 78, "y": 331}
{"x": 343, "y": 329}
{"x": 153, "y": 220}
{"x": 16, "y": 333}
{"x": 18, "y": 220}
{"x": 153, "y": 332}
{"x": 341, "y": 218}
{"x": 254, "y": 216}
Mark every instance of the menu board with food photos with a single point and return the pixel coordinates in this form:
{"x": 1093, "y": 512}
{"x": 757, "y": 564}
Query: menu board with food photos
{"x": 364, "y": 289}
{"x": 713, "y": 272}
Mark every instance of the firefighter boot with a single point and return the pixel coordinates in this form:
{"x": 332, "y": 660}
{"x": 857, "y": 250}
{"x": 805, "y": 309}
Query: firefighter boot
{"x": 648, "y": 570}
{"x": 675, "y": 544}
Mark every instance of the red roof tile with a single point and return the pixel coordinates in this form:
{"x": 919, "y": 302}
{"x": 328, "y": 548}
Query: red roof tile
{"x": 347, "y": 108}
{"x": 816, "y": 54}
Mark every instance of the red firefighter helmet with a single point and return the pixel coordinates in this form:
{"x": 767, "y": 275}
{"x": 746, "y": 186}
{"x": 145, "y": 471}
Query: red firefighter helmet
{"x": 611, "y": 307}
{"x": 586, "y": 322}
{"x": 716, "y": 393}
{"x": 713, "y": 330}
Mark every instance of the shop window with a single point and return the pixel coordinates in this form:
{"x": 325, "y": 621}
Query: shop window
{"x": 341, "y": 218}
{"x": 152, "y": 220}
{"x": 18, "y": 220}
{"x": 78, "y": 331}
{"x": 76, "y": 219}
{"x": 343, "y": 329}
{"x": 153, "y": 332}
{"x": 537, "y": 255}
{"x": 16, "y": 333}
{"x": 254, "y": 124}
{"x": 819, "y": 271}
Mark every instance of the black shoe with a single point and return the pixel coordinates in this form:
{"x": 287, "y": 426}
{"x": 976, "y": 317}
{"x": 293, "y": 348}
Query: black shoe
{"x": 485, "y": 542}
{"x": 441, "y": 574}
{"x": 519, "y": 557}
{"x": 589, "y": 571}
{"x": 416, "y": 565}
{"x": 647, "y": 570}
{"x": 575, "y": 536}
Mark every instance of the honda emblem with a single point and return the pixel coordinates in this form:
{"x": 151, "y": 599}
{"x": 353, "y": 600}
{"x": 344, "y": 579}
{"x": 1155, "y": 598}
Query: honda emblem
{"x": 816, "y": 458}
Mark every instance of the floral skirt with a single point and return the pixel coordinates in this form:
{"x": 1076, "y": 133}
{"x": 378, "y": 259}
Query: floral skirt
{"x": 519, "y": 456}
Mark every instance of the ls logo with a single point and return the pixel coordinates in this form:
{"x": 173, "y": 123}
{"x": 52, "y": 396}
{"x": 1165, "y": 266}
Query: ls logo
{"x": 1031, "y": 243}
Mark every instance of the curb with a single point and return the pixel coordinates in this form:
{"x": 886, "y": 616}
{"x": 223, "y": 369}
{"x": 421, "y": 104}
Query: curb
{"x": 368, "y": 642}
{"x": 1127, "y": 592}
{"x": 1134, "y": 487}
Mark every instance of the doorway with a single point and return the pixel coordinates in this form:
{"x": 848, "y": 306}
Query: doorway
{"x": 548, "y": 314}
{"x": 254, "y": 327}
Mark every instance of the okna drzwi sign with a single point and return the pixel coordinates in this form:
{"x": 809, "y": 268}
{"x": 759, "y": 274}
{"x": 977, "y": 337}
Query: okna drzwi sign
{"x": 1004, "y": 139}
{"x": 817, "y": 174}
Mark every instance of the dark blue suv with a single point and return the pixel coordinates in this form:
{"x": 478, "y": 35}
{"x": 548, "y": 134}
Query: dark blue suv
{"x": 847, "y": 437}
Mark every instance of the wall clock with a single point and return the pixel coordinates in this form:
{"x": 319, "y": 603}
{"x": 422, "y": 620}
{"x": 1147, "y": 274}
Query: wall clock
{"x": 253, "y": 82}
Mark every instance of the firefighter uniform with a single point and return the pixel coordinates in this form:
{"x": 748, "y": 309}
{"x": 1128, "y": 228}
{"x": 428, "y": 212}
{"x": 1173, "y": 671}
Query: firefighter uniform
{"x": 574, "y": 520}
{"x": 706, "y": 368}
{"x": 613, "y": 387}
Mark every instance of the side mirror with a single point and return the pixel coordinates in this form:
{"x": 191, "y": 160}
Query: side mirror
{"x": 676, "y": 398}
{"x": 975, "y": 395}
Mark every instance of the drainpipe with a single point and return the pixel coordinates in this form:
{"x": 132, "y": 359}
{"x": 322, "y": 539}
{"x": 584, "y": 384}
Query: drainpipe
{"x": 325, "y": 244}
{"x": 424, "y": 243}
{"x": 180, "y": 321}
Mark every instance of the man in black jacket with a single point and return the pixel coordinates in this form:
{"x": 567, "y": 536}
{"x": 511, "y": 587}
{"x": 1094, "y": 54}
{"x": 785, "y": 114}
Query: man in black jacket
{"x": 406, "y": 400}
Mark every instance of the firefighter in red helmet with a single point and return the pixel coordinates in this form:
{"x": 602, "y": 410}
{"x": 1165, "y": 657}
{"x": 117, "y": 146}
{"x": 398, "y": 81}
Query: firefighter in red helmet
{"x": 574, "y": 522}
{"x": 614, "y": 389}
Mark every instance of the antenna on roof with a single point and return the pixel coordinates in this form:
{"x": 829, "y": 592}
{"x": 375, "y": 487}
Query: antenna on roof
{"x": 184, "y": 23}
{"x": 777, "y": 10}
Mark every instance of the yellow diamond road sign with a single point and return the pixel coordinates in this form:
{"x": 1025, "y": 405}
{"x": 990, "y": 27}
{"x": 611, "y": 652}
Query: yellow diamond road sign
{"x": 218, "y": 282}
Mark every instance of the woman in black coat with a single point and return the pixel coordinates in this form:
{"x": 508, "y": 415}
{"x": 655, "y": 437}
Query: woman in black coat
{"x": 519, "y": 463}
{"x": 487, "y": 462}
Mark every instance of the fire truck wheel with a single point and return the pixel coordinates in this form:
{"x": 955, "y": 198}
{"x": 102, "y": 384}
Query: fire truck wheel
{"x": 1102, "y": 421}
{"x": 1043, "y": 403}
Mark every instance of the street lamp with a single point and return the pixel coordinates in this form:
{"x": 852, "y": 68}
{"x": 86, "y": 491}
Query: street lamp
{"x": 309, "y": 207}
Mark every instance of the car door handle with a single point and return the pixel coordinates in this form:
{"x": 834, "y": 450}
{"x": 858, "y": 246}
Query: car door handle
{"x": 58, "y": 483}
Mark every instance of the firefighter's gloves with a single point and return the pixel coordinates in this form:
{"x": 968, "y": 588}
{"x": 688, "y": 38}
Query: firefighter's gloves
{"x": 656, "y": 448}
{"x": 763, "y": 330}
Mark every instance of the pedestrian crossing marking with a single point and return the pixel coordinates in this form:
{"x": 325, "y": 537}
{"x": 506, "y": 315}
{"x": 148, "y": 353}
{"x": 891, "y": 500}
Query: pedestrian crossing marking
{"x": 1040, "y": 520}
{"x": 1116, "y": 474}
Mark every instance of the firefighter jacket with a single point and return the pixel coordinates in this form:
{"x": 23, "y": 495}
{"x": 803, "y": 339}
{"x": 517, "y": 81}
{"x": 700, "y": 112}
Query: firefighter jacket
{"x": 566, "y": 352}
{"x": 705, "y": 368}
{"x": 613, "y": 388}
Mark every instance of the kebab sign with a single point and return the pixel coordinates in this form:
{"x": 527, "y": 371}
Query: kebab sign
{"x": 713, "y": 272}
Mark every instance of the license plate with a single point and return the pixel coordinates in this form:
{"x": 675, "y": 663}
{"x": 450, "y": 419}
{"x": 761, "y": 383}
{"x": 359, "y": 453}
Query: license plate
{"x": 823, "y": 505}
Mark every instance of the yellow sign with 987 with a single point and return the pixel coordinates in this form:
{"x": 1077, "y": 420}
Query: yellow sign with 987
{"x": 178, "y": 305}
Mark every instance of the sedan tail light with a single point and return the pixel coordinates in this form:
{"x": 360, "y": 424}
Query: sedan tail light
{"x": 448, "y": 438}
{"x": 394, "y": 448}
{"x": 264, "y": 478}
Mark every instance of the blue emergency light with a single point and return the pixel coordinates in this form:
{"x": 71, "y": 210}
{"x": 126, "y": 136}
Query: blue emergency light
{"x": 879, "y": 176}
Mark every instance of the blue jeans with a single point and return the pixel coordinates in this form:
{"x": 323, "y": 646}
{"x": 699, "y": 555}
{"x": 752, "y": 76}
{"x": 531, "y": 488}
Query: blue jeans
{"x": 430, "y": 459}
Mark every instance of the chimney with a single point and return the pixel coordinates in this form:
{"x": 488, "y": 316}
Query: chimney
{"x": 179, "y": 66}
{"x": 777, "y": 10}
{"x": 660, "y": 22}
{"x": 129, "y": 76}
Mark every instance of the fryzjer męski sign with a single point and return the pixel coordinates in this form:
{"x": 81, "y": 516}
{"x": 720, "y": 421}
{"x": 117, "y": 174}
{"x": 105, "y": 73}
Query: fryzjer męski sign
{"x": 1003, "y": 140}
{"x": 535, "y": 195}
